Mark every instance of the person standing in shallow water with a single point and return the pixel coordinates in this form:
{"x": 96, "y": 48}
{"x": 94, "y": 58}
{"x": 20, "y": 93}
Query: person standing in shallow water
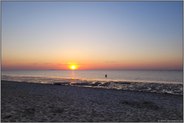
{"x": 105, "y": 75}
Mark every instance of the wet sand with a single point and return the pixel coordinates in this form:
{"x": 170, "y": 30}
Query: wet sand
{"x": 46, "y": 102}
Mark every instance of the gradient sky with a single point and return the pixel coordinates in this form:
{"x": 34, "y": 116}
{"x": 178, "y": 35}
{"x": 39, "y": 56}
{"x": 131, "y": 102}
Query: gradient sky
{"x": 93, "y": 35}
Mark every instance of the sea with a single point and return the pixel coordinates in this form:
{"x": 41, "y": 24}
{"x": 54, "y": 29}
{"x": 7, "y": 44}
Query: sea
{"x": 170, "y": 82}
{"x": 147, "y": 76}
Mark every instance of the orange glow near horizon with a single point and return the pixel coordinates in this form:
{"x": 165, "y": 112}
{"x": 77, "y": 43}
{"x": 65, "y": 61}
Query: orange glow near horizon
{"x": 92, "y": 65}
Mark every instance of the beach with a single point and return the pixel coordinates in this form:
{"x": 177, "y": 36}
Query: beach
{"x": 34, "y": 102}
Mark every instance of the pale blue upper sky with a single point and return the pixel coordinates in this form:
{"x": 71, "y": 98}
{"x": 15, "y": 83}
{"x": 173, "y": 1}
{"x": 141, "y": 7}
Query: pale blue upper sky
{"x": 103, "y": 32}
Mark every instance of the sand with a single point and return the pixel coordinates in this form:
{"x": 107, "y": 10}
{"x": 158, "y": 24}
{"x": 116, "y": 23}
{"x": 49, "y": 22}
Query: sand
{"x": 34, "y": 102}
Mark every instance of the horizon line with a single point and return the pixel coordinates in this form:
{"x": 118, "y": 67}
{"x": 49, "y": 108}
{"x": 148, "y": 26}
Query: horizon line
{"x": 93, "y": 69}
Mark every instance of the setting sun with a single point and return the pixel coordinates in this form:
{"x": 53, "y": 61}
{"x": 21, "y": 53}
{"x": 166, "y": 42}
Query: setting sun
{"x": 73, "y": 67}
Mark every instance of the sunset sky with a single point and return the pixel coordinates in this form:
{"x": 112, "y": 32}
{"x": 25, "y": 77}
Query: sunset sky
{"x": 92, "y": 35}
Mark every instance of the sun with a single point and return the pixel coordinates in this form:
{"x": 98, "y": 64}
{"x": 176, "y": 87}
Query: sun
{"x": 73, "y": 67}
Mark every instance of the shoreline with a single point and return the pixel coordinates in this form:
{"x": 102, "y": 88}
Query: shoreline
{"x": 170, "y": 88}
{"x": 47, "y": 102}
{"x": 88, "y": 87}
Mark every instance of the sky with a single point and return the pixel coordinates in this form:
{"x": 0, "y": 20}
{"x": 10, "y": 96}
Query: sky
{"x": 92, "y": 35}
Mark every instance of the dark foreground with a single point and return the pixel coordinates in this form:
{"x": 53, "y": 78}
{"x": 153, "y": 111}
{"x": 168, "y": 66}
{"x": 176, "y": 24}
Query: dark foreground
{"x": 39, "y": 102}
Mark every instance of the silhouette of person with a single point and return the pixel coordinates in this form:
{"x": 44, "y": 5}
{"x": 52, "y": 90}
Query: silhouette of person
{"x": 105, "y": 75}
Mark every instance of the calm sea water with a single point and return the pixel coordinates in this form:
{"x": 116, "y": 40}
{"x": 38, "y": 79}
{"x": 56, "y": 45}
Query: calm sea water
{"x": 112, "y": 75}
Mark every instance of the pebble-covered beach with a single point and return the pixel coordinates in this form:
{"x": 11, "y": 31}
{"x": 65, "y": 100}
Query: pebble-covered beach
{"x": 62, "y": 103}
